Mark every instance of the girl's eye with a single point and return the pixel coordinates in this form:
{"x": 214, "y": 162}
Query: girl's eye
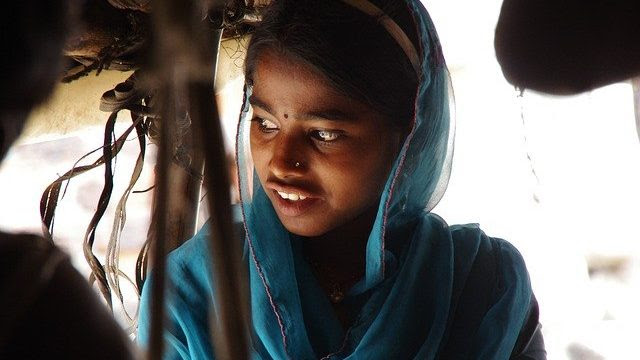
{"x": 265, "y": 125}
{"x": 325, "y": 135}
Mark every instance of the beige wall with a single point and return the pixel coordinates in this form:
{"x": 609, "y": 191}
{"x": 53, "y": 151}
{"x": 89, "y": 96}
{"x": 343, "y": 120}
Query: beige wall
{"x": 75, "y": 105}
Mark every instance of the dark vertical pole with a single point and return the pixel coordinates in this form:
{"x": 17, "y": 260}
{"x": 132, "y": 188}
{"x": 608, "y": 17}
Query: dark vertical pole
{"x": 186, "y": 55}
{"x": 164, "y": 69}
{"x": 229, "y": 324}
{"x": 183, "y": 204}
{"x": 158, "y": 249}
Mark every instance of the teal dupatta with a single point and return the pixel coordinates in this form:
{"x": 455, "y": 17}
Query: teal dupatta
{"x": 407, "y": 300}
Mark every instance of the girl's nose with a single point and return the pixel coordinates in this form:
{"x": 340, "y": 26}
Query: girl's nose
{"x": 288, "y": 160}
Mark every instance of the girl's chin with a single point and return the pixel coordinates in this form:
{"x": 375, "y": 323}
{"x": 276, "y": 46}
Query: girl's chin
{"x": 303, "y": 228}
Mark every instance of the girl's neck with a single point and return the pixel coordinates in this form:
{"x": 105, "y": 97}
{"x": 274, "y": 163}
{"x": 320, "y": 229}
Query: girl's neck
{"x": 343, "y": 247}
{"x": 338, "y": 261}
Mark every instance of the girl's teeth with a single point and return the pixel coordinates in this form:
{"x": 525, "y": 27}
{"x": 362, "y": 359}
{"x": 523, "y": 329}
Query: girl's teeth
{"x": 292, "y": 197}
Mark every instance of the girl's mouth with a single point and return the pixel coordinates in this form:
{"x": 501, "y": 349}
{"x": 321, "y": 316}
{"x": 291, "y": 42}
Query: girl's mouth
{"x": 291, "y": 201}
{"x": 292, "y": 204}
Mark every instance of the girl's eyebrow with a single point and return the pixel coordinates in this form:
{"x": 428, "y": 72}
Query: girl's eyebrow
{"x": 327, "y": 114}
{"x": 330, "y": 114}
{"x": 255, "y": 101}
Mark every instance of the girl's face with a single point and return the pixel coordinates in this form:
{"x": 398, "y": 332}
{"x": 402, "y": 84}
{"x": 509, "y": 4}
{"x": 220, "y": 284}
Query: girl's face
{"x": 322, "y": 158}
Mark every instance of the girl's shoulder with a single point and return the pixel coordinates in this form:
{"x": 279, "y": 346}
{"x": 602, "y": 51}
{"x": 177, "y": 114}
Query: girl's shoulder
{"x": 472, "y": 245}
{"x": 483, "y": 266}
{"x": 495, "y": 253}
{"x": 489, "y": 278}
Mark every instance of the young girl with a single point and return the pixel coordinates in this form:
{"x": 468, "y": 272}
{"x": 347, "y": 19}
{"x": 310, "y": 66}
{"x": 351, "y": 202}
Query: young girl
{"x": 347, "y": 149}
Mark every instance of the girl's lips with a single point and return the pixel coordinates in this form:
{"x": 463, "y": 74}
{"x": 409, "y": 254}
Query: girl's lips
{"x": 292, "y": 208}
{"x": 289, "y": 189}
{"x": 288, "y": 207}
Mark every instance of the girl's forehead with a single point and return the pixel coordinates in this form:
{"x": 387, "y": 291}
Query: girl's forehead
{"x": 274, "y": 66}
{"x": 282, "y": 85}
{"x": 279, "y": 79}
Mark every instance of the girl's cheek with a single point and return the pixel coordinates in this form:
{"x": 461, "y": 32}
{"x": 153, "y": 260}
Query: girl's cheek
{"x": 259, "y": 138}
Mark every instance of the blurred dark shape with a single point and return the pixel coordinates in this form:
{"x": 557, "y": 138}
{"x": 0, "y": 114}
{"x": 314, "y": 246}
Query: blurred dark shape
{"x": 570, "y": 46}
{"x": 31, "y": 36}
{"x": 47, "y": 310}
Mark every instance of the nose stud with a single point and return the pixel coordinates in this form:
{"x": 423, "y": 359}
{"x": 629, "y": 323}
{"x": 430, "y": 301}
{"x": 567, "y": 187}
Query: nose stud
{"x": 297, "y": 164}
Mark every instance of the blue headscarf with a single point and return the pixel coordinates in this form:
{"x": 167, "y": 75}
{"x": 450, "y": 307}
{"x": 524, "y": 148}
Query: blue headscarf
{"x": 407, "y": 299}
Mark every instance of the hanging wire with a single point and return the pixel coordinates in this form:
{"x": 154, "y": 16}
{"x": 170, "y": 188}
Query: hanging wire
{"x": 106, "y": 275}
{"x": 112, "y": 261}
{"x": 635, "y": 85}
{"x": 520, "y": 96}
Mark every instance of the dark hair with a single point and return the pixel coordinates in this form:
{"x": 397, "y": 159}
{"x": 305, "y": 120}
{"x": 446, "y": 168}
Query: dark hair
{"x": 350, "y": 48}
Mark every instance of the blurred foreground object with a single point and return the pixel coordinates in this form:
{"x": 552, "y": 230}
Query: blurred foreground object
{"x": 567, "y": 47}
{"x": 186, "y": 55}
{"x": 46, "y": 308}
